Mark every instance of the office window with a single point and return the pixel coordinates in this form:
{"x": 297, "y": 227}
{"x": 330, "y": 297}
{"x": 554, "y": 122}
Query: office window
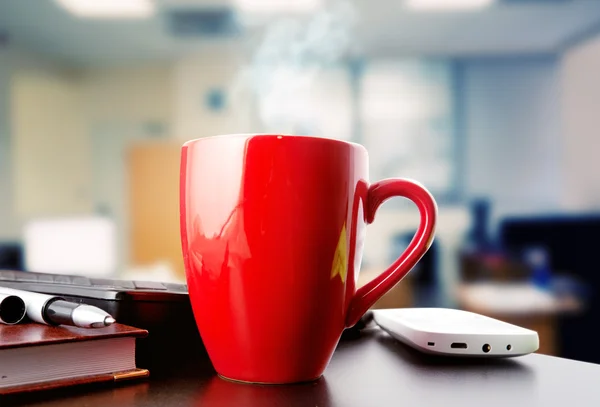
{"x": 406, "y": 109}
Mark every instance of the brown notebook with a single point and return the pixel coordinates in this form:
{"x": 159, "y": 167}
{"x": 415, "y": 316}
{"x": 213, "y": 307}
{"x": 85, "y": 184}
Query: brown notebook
{"x": 36, "y": 357}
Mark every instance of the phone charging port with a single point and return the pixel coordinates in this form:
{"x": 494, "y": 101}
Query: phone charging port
{"x": 458, "y": 345}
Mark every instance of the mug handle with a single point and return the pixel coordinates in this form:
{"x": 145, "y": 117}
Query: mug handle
{"x": 378, "y": 193}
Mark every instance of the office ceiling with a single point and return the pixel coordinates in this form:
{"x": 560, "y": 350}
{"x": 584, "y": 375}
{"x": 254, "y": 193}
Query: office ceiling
{"x": 382, "y": 28}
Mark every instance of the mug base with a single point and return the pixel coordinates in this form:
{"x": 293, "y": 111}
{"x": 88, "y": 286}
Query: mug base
{"x": 229, "y": 379}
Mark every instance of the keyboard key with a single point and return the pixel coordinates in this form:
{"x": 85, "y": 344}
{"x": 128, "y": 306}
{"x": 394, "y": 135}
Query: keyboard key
{"x": 83, "y": 281}
{"x": 62, "y": 279}
{"x": 124, "y": 284}
{"x": 106, "y": 283}
{"x": 45, "y": 278}
{"x": 149, "y": 285}
{"x": 7, "y": 275}
{"x": 29, "y": 277}
{"x": 180, "y": 288}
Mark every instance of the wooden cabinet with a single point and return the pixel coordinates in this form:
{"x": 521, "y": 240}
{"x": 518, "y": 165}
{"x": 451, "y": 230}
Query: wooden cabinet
{"x": 153, "y": 169}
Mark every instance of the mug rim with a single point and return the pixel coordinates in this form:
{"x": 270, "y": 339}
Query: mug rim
{"x": 295, "y": 136}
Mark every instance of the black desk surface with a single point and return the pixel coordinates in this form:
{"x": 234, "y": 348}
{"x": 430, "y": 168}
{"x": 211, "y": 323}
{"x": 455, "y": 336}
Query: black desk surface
{"x": 370, "y": 370}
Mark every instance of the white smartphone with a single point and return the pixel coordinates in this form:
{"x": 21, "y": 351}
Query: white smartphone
{"x": 456, "y": 333}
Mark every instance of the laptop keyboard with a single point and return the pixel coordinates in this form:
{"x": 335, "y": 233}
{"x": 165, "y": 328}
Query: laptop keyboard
{"x": 97, "y": 283}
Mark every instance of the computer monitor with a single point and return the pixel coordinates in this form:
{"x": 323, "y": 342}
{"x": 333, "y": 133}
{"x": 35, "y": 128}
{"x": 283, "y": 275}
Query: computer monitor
{"x": 83, "y": 245}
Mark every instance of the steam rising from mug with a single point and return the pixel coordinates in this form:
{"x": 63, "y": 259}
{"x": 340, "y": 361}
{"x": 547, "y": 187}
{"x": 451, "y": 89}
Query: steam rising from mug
{"x": 292, "y": 53}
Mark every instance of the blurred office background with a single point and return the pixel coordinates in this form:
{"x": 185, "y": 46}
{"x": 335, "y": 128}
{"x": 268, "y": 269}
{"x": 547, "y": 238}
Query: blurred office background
{"x": 493, "y": 105}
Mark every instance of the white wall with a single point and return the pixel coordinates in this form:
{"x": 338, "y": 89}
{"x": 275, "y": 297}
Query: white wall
{"x": 193, "y": 77}
{"x": 8, "y": 227}
{"x": 289, "y": 102}
{"x": 50, "y": 150}
{"x": 134, "y": 94}
{"x": 580, "y": 70}
{"x": 512, "y": 133}
{"x": 118, "y": 105}
{"x": 12, "y": 62}
{"x": 122, "y": 105}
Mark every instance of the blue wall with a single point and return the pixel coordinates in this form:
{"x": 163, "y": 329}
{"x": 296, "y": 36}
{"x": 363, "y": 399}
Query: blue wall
{"x": 510, "y": 132}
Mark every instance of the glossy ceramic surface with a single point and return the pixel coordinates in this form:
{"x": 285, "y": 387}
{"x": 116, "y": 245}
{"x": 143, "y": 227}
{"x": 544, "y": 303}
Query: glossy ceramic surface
{"x": 272, "y": 233}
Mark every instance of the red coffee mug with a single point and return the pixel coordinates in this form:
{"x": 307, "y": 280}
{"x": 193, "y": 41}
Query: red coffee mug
{"x": 272, "y": 230}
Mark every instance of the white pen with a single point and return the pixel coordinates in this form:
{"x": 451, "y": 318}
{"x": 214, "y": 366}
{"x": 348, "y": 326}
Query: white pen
{"x": 53, "y": 310}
